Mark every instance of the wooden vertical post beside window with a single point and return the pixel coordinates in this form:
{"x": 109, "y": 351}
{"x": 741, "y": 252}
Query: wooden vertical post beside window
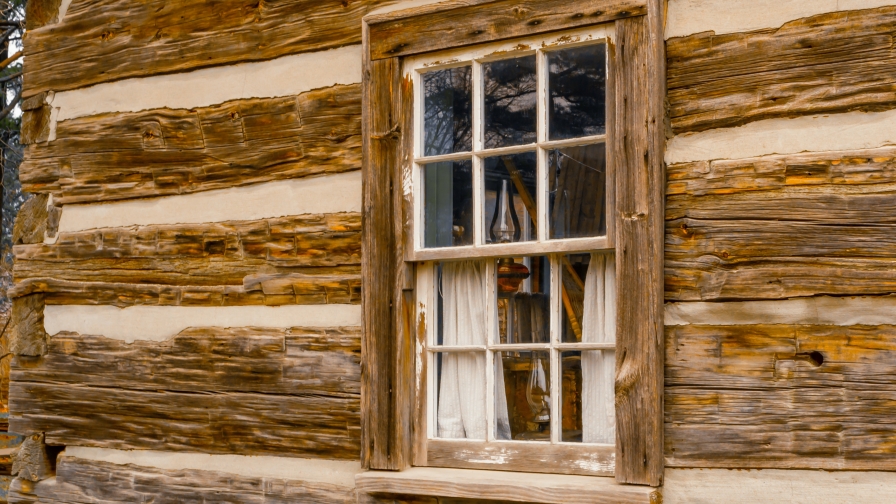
{"x": 387, "y": 347}
{"x": 638, "y": 154}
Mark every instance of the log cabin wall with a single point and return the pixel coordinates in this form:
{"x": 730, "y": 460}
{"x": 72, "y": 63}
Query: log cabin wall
{"x": 780, "y": 342}
{"x": 187, "y": 281}
{"x": 186, "y": 314}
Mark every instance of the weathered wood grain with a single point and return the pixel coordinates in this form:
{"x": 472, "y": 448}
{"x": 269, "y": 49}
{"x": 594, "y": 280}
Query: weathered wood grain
{"x": 260, "y": 360}
{"x": 781, "y": 226}
{"x": 107, "y": 40}
{"x": 31, "y": 221}
{"x": 450, "y": 484}
{"x": 39, "y": 13}
{"x": 165, "y": 152}
{"x": 30, "y": 460}
{"x": 543, "y": 458}
{"x": 387, "y": 439}
{"x": 25, "y": 333}
{"x": 818, "y": 397}
{"x": 81, "y": 481}
{"x": 291, "y": 260}
{"x": 828, "y": 63}
{"x": 246, "y": 391}
{"x": 468, "y": 22}
{"x": 638, "y": 159}
{"x": 35, "y": 115}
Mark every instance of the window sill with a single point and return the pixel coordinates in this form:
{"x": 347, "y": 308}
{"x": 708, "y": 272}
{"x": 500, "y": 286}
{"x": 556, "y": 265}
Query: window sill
{"x": 500, "y": 485}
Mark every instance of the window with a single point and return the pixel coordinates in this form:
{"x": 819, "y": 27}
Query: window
{"x": 513, "y": 155}
{"x": 515, "y": 268}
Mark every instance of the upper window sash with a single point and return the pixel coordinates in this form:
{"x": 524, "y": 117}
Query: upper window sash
{"x": 415, "y": 67}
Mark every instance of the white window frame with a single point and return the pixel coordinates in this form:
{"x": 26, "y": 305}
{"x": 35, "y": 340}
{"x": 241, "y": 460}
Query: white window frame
{"x": 426, "y": 258}
{"x": 415, "y": 67}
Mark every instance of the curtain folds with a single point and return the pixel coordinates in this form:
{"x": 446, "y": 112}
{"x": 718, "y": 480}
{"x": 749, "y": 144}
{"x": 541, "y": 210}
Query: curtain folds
{"x": 462, "y": 388}
{"x": 599, "y": 367}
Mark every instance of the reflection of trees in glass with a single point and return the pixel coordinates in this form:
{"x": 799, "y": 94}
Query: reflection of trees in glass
{"x": 448, "y": 116}
{"x": 578, "y": 90}
{"x": 510, "y": 102}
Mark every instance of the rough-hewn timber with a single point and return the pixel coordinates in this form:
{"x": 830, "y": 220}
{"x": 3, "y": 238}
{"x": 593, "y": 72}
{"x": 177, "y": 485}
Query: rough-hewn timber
{"x": 782, "y": 226}
{"x": 500, "y": 486}
{"x": 25, "y": 332}
{"x": 40, "y": 13}
{"x": 107, "y": 40}
{"x": 562, "y": 459}
{"x": 780, "y": 396}
{"x": 80, "y": 481}
{"x": 31, "y": 221}
{"x": 166, "y": 152}
{"x": 822, "y": 64}
{"x": 309, "y": 259}
{"x": 638, "y": 159}
{"x": 457, "y": 24}
{"x": 36, "y": 115}
{"x": 30, "y": 460}
{"x": 246, "y": 391}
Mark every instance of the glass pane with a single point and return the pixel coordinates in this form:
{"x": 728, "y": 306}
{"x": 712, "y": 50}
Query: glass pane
{"x": 588, "y": 410}
{"x": 571, "y": 397}
{"x": 578, "y": 92}
{"x": 578, "y": 184}
{"x": 448, "y": 118}
{"x": 523, "y": 396}
{"x": 460, "y": 406}
{"x": 573, "y": 271}
{"x": 510, "y": 185}
{"x": 448, "y": 204}
{"x": 524, "y": 305}
{"x": 510, "y": 94}
{"x": 588, "y": 291}
{"x": 461, "y": 305}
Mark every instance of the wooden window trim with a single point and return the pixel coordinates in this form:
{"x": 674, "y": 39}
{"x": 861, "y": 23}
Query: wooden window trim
{"x": 390, "y": 350}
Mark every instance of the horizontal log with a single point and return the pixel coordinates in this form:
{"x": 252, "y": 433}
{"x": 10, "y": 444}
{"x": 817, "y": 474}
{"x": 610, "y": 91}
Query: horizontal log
{"x": 108, "y": 40}
{"x": 166, "y": 152}
{"x": 780, "y": 397}
{"x": 261, "y": 360}
{"x": 762, "y": 259}
{"x": 822, "y": 64}
{"x": 435, "y": 27}
{"x": 94, "y": 482}
{"x": 310, "y": 259}
{"x": 246, "y": 391}
{"x": 781, "y": 226}
{"x": 854, "y": 169}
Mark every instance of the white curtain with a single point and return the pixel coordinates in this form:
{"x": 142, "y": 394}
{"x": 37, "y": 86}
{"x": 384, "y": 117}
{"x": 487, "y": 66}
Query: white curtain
{"x": 599, "y": 367}
{"x": 462, "y": 389}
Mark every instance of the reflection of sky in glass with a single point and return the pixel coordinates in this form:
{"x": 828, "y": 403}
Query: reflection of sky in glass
{"x": 448, "y": 117}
